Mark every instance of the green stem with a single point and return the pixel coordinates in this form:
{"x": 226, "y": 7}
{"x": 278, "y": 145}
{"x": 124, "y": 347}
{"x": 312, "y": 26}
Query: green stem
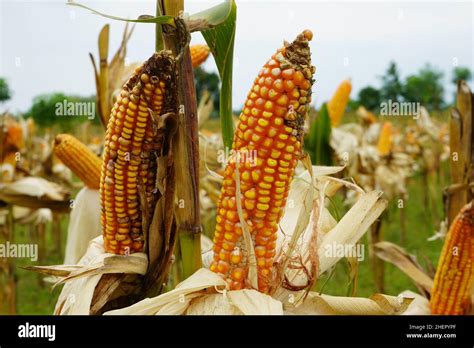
{"x": 190, "y": 252}
{"x": 159, "y": 45}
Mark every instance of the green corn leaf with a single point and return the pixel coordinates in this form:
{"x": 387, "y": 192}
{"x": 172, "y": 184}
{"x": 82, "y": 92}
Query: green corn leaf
{"x": 210, "y": 18}
{"x": 220, "y": 40}
{"x": 320, "y": 134}
{"x": 217, "y": 25}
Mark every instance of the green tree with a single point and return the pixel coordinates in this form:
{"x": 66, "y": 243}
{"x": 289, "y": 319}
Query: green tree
{"x": 207, "y": 81}
{"x": 63, "y": 111}
{"x": 461, "y": 73}
{"x": 5, "y": 92}
{"x": 425, "y": 87}
{"x": 391, "y": 84}
{"x": 370, "y": 98}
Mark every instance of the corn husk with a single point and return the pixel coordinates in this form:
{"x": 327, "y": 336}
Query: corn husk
{"x": 81, "y": 280}
{"x": 377, "y": 304}
{"x": 84, "y": 224}
{"x": 306, "y": 216}
{"x": 34, "y": 192}
{"x": 27, "y": 216}
{"x": 206, "y": 293}
{"x": 419, "y": 306}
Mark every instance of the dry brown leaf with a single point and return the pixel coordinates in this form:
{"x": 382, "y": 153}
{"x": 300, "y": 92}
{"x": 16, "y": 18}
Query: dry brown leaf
{"x": 334, "y": 305}
{"x": 407, "y": 263}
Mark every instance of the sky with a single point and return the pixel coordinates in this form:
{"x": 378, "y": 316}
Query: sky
{"x": 44, "y": 45}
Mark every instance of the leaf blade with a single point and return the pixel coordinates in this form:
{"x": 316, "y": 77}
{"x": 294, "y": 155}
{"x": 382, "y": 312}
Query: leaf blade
{"x": 142, "y": 19}
{"x": 221, "y": 43}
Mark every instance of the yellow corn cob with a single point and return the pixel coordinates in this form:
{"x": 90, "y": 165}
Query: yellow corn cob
{"x": 338, "y": 103}
{"x": 132, "y": 143}
{"x": 199, "y": 54}
{"x": 79, "y": 158}
{"x": 15, "y": 136}
{"x": 270, "y": 133}
{"x": 455, "y": 273}
{"x": 385, "y": 143}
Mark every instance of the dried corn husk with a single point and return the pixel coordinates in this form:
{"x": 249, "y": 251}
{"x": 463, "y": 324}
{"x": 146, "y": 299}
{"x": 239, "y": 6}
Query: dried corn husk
{"x": 34, "y": 192}
{"x": 81, "y": 280}
{"x": 377, "y": 304}
{"x": 205, "y": 292}
{"x": 84, "y": 224}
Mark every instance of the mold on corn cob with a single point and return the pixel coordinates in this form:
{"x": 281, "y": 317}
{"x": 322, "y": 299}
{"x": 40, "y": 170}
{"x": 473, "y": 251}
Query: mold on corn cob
{"x": 79, "y": 158}
{"x": 199, "y": 54}
{"x": 451, "y": 293}
{"x": 271, "y": 128}
{"x": 132, "y": 145}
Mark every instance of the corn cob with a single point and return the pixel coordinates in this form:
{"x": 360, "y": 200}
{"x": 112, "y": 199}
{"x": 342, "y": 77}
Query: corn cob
{"x": 15, "y": 137}
{"x": 199, "y": 54}
{"x": 79, "y": 158}
{"x": 132, "y": 144}
{"x": 270, "y": 131}
{"x": 385, "y": 142}
{"x": 338, "y": 103}
{"x": 455, "y": 273}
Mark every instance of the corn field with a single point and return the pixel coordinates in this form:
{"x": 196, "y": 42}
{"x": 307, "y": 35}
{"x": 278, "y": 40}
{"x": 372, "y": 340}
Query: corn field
{"x": 185, "y": 199}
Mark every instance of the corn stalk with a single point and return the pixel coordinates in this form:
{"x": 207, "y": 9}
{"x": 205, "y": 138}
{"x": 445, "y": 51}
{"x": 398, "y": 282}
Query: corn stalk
{"x": 459, "y": 192}
{"x": 185, "y": 143}
{"x": 174, "y": 210}
{"x": 7, "y": 268}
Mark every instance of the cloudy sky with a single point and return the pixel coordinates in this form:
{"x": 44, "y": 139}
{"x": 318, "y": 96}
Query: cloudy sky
{"x": 44, "y": 45}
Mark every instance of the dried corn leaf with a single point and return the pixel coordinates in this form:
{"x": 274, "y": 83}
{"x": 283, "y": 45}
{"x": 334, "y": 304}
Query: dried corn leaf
{"x": 352, "y": 226}
{"x": 300, "y": 188}
{"x": 103, "y": 92}
{"x": 35, "y": 187}
{"x": 205, "y": 108}
{"x": 407, "y": 263}
{"x": 81, "y": 280}
{"x": 35, "y": 217}
{"x": 419, "y": 306}
{"x": 35, "y": 193}
{"x": 175, "y": 300}
{"x": 464, "y": 106}
{"x": 334, "y": 305}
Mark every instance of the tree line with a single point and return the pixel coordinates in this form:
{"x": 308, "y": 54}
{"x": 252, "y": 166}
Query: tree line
{"x": 425, "y": 87}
